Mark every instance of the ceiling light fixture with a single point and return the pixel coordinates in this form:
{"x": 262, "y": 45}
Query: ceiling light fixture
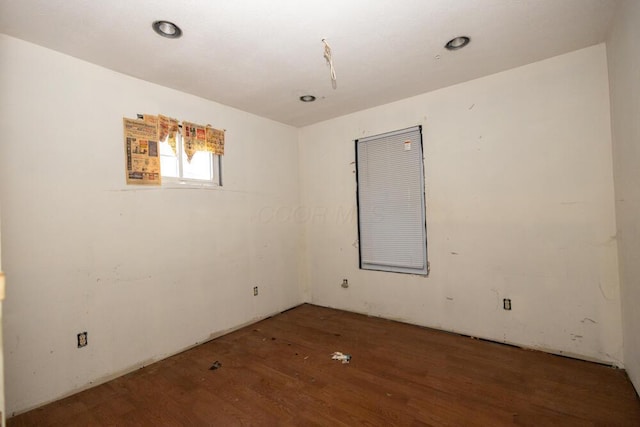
{"x": 167, "y": 29}
{"x": 307, "y": 98}
{"x": 457, "y": 43}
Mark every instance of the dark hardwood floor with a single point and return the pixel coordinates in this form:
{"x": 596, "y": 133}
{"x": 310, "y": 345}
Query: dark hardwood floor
{"x": 279, "y": 372}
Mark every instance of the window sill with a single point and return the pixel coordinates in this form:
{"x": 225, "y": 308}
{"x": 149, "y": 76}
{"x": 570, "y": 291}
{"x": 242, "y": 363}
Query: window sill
{"x": 173, "y": 183}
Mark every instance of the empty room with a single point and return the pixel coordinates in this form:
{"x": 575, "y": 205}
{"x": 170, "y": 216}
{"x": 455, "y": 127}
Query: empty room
{"x": 412, "y": 212}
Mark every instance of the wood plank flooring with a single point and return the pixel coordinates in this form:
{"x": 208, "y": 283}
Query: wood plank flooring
{"x": 279, "y": 372}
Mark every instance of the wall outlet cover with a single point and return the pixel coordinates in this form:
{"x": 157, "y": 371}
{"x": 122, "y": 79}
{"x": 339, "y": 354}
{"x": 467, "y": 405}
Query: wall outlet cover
{"x": 82, "y": 339}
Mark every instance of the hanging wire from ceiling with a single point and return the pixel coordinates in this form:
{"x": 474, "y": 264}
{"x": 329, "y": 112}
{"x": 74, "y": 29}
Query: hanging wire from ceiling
{"x": 327, "y": 56}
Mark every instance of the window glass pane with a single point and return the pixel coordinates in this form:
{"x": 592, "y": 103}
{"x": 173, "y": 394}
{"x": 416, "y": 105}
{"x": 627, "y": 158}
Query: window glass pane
{"x": 168, "y": 161}
{"x": 200, "y": 166}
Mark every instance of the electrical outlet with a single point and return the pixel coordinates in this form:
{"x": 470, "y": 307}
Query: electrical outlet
{"x": 82, "y": 339}
{"x": 255, "y": 291}
{"x": 506, "y": 304}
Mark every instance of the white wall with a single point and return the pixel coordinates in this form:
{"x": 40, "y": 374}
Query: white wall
{"x": 519, "y": 205}
{"x": 2, "y": 403}
{"x": 624, "y": 71}
{"x": 146, "y": 271}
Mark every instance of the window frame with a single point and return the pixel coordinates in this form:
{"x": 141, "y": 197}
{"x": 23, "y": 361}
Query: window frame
{"x": 365, "y": 237}
{"x": 215, "y": 164}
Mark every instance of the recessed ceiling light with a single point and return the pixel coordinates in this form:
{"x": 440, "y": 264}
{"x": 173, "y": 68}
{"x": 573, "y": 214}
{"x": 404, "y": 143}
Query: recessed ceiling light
{"x": 307, "y": 98}
{"x": 457, "y": 43}
{"x": 167, "y": 29}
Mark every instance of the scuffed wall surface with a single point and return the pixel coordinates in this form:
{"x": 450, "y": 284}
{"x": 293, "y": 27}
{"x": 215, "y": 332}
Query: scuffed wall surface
{"x": 145, "y": 271}
{"x": 520, "y": 205}
{"x": 624, "y": 80}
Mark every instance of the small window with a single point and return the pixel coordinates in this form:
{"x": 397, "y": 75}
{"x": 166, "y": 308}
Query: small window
{"x": 391, "y": 202}
{"x": 204, "y": 167}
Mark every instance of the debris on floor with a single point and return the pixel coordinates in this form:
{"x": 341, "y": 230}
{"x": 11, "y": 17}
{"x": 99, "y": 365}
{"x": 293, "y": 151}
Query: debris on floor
{"x": 215, "y": 366}
{"x": 345, "y": 358}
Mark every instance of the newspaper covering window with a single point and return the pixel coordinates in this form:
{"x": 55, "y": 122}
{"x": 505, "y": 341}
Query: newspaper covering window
{"x": 142, "y": 156}
{"x": 194, "y": 139}
{"x": 168, "y": 130}
{"x": 149, "y": 138}
{"x": 215, "y": 141}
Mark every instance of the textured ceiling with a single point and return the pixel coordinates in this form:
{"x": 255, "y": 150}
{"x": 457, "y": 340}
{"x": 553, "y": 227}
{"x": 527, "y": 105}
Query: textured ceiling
{"x": 260, "y": 56}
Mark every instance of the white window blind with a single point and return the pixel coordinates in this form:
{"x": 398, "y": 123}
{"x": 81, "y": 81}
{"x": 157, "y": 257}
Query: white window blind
{"x": 391, "y": 202}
